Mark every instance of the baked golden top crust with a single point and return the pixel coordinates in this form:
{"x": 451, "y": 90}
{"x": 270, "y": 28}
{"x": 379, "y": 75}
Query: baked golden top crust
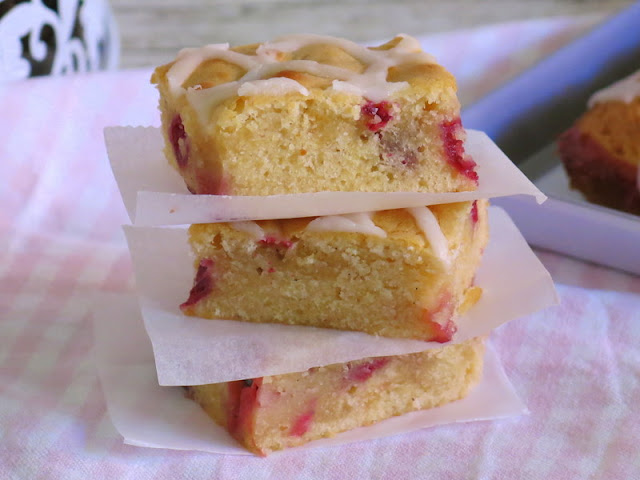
{"x": 302, "y": 62}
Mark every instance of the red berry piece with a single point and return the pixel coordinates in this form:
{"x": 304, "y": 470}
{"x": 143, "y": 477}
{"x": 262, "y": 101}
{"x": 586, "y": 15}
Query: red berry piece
{"x": 443, "y": 333}
{"x": 302, "y": 423}
{"x": 363, "y": 371}
{"x": 279, "y": 247}
{"x": 276, "y": 242}
{"x": 474, "y": 212}
{"x": 377, "y": 115}
{"x": 454, "y": 149}
{"x": 243, "y": 399}
{"x": 179, "y": 141}
{"x": 203, "y": 283}
{"x": 440, "y": 319}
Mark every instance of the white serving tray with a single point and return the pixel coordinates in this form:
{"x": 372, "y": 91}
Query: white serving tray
{"x": 525, "y": 116}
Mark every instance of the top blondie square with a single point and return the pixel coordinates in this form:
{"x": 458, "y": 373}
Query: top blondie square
{"x": 309, "y": 113}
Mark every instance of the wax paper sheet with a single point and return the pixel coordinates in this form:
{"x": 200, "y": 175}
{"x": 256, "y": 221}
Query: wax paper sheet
{"x": 155, "y": 194}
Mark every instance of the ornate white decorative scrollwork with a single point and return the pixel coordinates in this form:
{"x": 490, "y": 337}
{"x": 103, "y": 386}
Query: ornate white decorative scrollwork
{"x": 76, "y": 36}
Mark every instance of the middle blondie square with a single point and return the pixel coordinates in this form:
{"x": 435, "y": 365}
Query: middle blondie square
{"x": 405, "y": 273}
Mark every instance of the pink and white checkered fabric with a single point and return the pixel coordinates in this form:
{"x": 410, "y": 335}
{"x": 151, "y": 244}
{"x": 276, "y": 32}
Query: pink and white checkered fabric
{"x": 577, "y": 365}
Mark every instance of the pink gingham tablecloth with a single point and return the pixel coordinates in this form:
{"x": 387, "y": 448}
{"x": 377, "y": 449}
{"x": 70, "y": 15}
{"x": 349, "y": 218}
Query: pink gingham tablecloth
{"x": 577, "y": 365}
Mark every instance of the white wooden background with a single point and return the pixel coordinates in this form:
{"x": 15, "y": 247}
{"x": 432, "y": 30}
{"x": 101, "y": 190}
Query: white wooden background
{"x": 152, "y": 31}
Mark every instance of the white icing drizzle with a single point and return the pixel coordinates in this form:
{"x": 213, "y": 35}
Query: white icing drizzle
{"x": 371, "y": 83}
{"x": 188, "y": 60}
{"x": 624, "y": 90}
{"x": 412, "y": 44}
{"x": 291, "y": 43}
{"x": 252, "y": 228}
{"x": 203, "y": 100}
{"x": 306, "y": 66}
{"x": 271, "y": 86}
{"x": 363, "y": 223}
{"x": 351, "y": 223}
{"x": 428, "y": 223}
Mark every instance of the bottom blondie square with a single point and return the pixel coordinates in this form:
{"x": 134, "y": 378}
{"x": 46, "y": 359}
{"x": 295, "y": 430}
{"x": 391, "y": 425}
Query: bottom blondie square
{"x": 282, "y": 411}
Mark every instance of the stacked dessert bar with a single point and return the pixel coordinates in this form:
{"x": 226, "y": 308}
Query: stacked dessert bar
{"x": 601, "y": 150}
{"x": 305, "y": 114}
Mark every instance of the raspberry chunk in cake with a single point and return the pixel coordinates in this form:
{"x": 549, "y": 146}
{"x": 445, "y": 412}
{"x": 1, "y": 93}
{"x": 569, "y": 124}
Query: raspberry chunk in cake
{"x": 308, "y": 113}
{"x": 283, "y": 411}
{"x": 601, "y": 151}
{"x": 398, "y": 273}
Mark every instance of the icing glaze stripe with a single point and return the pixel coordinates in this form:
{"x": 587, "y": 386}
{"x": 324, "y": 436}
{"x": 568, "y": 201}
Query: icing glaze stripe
{"x": 351, "y": 223}
{"x": 250, "y": 227}
{"x": 428, "y": 223}
{"x": 624, "y": 90}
